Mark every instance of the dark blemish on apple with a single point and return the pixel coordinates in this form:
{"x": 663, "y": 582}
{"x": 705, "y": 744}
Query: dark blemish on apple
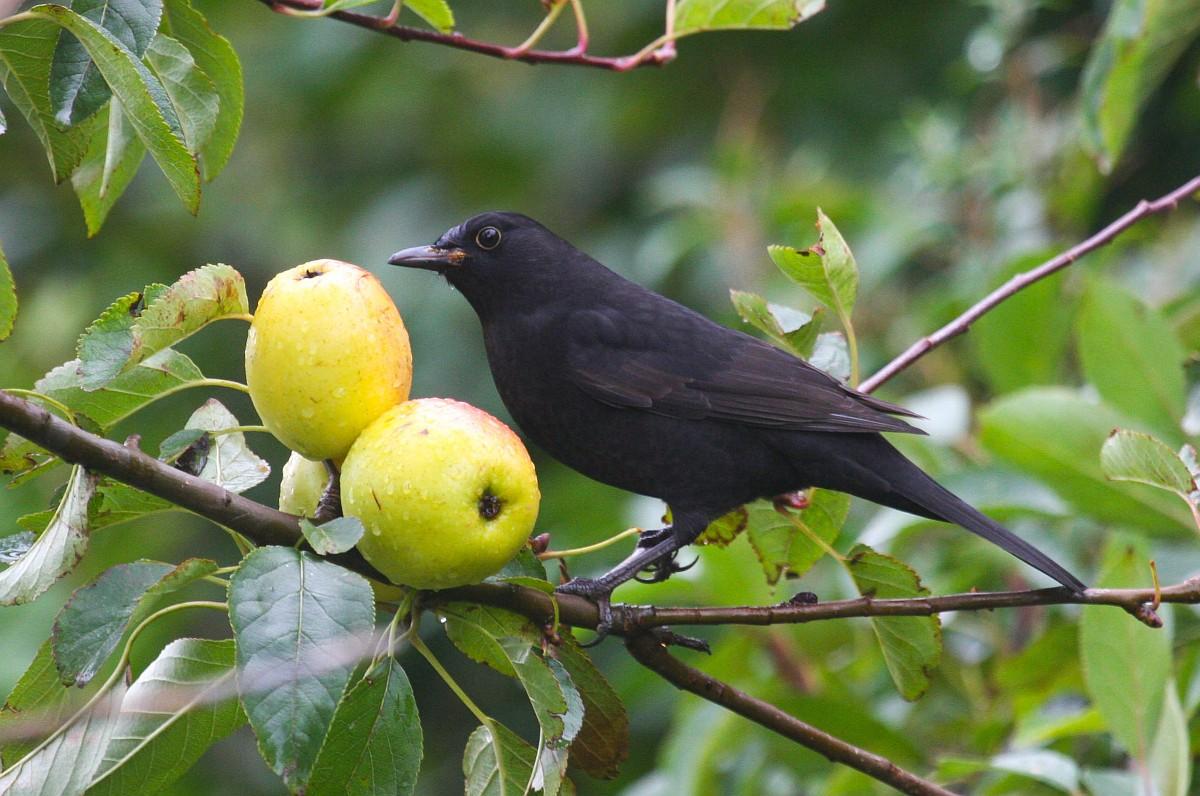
{"x": 489, "y": 506}
{"x": 375, "y": 497}
{"x": 311, "y": 274}
{"x": 424, "y": 432}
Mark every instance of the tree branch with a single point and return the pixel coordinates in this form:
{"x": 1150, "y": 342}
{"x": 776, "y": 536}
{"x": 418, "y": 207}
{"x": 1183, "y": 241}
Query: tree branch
{"x": 651, "y": 653}
{"x": 576, "y": 56}
{"x": 261, "y": 524}
{"x": 963, "y": 322}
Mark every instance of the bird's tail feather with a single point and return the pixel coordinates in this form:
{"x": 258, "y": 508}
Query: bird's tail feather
{"x": 910, "y": 489}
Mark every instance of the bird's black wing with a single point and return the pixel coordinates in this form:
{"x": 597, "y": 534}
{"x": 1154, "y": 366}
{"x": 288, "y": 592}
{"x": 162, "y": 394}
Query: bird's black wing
{"x": 680, "y": 364}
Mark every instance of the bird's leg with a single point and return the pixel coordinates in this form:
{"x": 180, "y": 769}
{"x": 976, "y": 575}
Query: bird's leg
{"x": 329, "y": 507}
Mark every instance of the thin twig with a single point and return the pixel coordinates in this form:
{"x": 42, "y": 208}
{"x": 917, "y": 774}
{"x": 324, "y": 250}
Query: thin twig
{"x": 652, "y": 654}
{"x": 1142, "y": 210}
{"x": 659, "y": 55}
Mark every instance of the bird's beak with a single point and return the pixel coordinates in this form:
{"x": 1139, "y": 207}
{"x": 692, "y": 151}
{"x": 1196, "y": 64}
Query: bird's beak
{"x": 431, "y": 258}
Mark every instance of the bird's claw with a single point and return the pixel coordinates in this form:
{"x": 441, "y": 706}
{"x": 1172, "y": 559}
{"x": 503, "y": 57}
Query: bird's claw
{"x": 664, "y": 568}
{"x": 599, "y": 593}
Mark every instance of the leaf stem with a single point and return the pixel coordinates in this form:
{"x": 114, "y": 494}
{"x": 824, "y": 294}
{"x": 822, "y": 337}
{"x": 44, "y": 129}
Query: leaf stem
{"x": 579, "y": 551}
{"x": 424, "y": 651}
{"x": 543, "y": 27}
{"x": 240, "y": 430}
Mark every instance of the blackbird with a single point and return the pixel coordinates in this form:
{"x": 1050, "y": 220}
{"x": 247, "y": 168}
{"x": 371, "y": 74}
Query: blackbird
{"x": 632, "y": 389}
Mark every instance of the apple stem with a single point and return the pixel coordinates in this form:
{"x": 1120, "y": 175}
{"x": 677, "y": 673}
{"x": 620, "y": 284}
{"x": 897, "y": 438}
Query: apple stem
{"x": 578, "y": 551}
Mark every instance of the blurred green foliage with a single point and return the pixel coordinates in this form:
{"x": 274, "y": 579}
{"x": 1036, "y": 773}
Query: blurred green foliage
{"x": 947, "y": 141}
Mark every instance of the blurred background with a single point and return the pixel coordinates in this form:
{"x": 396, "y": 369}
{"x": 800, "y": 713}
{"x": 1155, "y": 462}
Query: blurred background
{"x": 943, "y": 139}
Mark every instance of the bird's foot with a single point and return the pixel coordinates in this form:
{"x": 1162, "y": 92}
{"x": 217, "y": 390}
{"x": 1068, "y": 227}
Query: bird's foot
{"x": 663, "y": 568}
{"x": 599, "y": 592}
{"x": 329, "y": 507}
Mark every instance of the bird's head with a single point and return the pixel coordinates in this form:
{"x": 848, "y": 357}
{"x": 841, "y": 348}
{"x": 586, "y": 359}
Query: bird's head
{"x": 495, "y": 258}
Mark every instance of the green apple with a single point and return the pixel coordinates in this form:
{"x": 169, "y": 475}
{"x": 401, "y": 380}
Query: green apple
{"x": 327, "y": 354}
{"x": 302, "y": 485}
{"x": 447, "y": 493}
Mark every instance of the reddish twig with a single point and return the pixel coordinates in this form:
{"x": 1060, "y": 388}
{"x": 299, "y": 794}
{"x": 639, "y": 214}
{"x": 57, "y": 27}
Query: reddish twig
{"x": 1142, "y": 210}
{"x": 576, "y": 56}
{"x": 651, "y": 653}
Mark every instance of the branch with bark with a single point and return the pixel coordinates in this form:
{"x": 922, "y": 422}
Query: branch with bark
{"x": 642, "y": 626}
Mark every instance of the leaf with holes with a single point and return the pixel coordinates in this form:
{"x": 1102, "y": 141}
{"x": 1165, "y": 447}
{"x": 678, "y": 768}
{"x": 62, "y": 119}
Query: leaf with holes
{"x": 77, "y": 88}
{"x": 57, "y": 550}
{"x": 912, "y": 645}
{"x": 181, "y": 704}
{"x": 374, "y": 745}
{"x": 301, "y": 625}
{"x": 95, "y": 618}
{"x": 826, "y": 270}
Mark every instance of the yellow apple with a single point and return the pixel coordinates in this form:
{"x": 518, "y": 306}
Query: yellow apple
{"x": 447, "y": 493}
{"x": 327, "y": 354}
{"x": 302, "y": 486}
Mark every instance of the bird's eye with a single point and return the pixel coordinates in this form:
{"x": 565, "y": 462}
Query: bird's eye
{"x": 488, "y": 238}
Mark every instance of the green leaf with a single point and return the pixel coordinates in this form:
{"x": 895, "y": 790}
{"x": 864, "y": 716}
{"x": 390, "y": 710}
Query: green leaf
{"x": 523, "y": 565}
{"x": 1014, "y": 353}
{"x": 216, "y": 57}
{"x": 436, "y": 12}
{"x": 63, "y": 765}
{"x": 1040, "y": 765}
{"x": 166, "y": 371}
{"x": 1132, "y": 356}
{"x": 139, "y": 325}
{"x": 180, "y": 704}
{"x": 1125, "y": 664}
{"x": 912, "y": 645}
{"x": 297, "y": 621}
{"x": 57, "y": 550}
{"x": 796, "y": 337}
{"x": 26, "y": 50}
{"x": 38, "y": 701}
{"x": 120, "y": 503}
{"x": 1133, "y": 456}
{"x": 694, "y": 16}
{"x": 77, "y": 88}
{"x": 228, "y": 463}
{"x": 192, "y": 93}
{"x": 142, "y": 96}
{"x": 374, "y": 745}
{"x": 826, "y": 270}
{"x": 1170, "y": 757}
{"x": 723, "y": 530}
{"x": 783, "y": 540}
{"x": 94, "y": 619}
{"x": 8, "y": 290}
{"x": 497, "y": 763}
{"x": 1056, "y": 435}
{"x": 112, "y": 160}
{"x": 1141, "y": 41}
{"x": 602, "y": 743}
{"x": 336, "y": 536}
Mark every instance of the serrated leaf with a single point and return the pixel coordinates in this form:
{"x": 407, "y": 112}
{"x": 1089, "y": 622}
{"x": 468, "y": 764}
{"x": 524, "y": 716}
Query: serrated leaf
{"x": 113, "y": 157}
{"x": 780, "y": 541}
{"x": 826, "y": 270}
{"x": 217, "y": 58}
{"x": 229, "y": 463}
{"x": 602, "y": 743}
{"x": 336, "y": 536}
{"x": 297, "y": 621}
{"x": 1112, "y": 645}
{"x": 107, "y": 344}
{"x": 694, "y": 16}
{"x": 912, "y": 645}
{"x": 1132, "y": 357}
{"x": 496, "y": 762}
{"x": 374, "y": 745}
{"x": 64, "y": 764}
{"x": 1056, "y": 435}
{"x": 26, "y": 50}
{"x": 192, "y": 93}
{"x": 144, "y": 100}
{"x": 94, "y": 619}
{"x": 168, "y": 370}
{"x": 57, "y": 550}
{"x": 1134, "y": 456}
{"x": 180, "y": 704}
{"x": 1141, "y": 41}
{"x": 723, "y": 530}
{"x": 77, "y": 88}
{"x": 8, "y": 290}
